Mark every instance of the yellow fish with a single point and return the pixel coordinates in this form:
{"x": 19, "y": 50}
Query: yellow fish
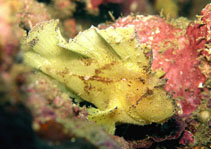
{"x": 108, "y": 68}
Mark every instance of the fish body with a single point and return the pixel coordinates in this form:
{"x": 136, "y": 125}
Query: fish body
{"x": 108, "y": 68}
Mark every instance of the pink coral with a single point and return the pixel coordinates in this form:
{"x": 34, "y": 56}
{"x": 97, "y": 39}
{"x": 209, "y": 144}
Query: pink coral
{"x": 12, "y": 13}
{"x": 175, "y": 50}
{"x": 187, "y": 138}
{"x": 9, "y": 37}
{"x": 96, "y": 3}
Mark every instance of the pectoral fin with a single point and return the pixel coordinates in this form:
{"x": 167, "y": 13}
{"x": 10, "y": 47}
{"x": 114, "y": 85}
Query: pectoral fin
{"x": 106, "y": 118}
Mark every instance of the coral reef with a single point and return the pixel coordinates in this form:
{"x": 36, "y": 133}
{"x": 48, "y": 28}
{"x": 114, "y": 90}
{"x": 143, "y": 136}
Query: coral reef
{"x": 15, "y": 13}
{"x": 8, "y": 48}
{"x": 36, "y": 111}
{"x": 61, "y": 120}
{"x": 31, "y": 13}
